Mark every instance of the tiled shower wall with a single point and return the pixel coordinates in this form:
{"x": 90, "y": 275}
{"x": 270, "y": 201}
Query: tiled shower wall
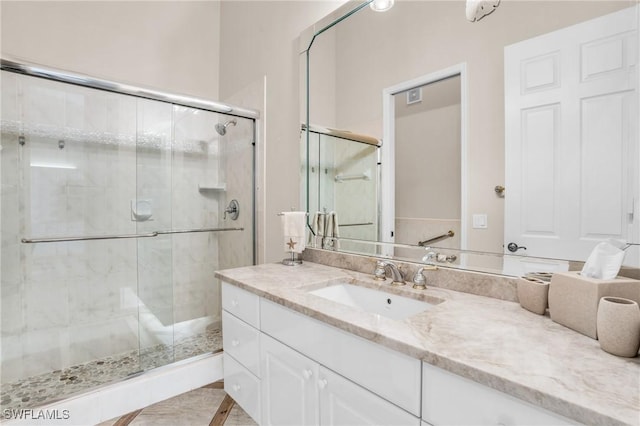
{"x": 67, "y": 303}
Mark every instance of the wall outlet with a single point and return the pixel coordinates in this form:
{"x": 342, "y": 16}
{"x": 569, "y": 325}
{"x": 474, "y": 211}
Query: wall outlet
{"x": 480, "y": 221}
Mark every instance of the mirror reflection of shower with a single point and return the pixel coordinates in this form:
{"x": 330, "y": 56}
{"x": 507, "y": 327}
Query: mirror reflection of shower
{"x": 222, "y": 128}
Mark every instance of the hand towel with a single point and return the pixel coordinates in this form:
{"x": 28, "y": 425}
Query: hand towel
{"x": 293, "y": 224}
{"x": 332, "y": 228}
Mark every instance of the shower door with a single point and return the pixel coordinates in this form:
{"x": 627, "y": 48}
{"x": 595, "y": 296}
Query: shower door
{"x": 113, "y": 222}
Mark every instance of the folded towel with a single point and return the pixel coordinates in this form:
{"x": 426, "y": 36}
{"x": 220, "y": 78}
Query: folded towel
{"x": 294, "y": 226}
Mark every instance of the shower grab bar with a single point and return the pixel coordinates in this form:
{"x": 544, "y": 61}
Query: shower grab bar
{"x": 123, "y": 236}
{"x": 434, "y": 239}
{"x": 97, "y": 237}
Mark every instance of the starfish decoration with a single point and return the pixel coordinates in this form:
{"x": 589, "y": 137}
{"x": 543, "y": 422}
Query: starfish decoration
{"x": 291, "y": 243}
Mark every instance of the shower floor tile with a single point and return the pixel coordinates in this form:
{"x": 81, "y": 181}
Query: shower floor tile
{"x": 39, "y": 390}
{"x": 207, "y": 406}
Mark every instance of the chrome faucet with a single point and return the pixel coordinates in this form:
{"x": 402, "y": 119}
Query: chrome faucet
{"x": 380, "y": 272}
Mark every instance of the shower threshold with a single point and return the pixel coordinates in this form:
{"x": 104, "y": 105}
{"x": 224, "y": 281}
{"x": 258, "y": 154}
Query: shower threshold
{"x": 44, "y": 388}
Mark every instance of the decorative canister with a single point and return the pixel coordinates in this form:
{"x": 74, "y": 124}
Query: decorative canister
{"x": 533, "y": 294}
{"x": 618, "y": 326}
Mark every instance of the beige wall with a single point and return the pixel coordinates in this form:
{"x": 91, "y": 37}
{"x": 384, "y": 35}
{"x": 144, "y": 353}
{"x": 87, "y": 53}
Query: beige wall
{"x": 415, "y": 38}
{"x": 259, "y": 40}
{"x": 184, "y": 47}
{"x": 427, "y": 153}
{"x": 169, "y": 45}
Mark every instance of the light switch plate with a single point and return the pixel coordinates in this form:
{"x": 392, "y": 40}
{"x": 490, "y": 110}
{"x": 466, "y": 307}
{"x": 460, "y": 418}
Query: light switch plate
{"x": 480, "y": 221}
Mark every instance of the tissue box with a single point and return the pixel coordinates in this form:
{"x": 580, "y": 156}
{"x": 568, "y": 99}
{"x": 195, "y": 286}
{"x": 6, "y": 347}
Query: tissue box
{"x": 573, "y": 299}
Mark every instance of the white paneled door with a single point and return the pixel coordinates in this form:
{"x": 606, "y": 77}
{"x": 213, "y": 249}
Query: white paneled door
{"x": 571, "y": 138}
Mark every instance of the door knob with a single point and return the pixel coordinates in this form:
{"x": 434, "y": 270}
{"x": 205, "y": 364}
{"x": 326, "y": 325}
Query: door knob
{"x": 513, "y": 247}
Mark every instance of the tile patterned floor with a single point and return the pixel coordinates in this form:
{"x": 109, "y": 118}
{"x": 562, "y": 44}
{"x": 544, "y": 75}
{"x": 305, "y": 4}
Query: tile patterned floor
{"x": 38, "y": 390}
{"x": 207, "y": 406}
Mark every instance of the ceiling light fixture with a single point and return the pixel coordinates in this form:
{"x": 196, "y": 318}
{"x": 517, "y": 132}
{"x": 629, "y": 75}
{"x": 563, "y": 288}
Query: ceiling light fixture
{"x": 478, "y": 9}
{"x": 381, "y": 5}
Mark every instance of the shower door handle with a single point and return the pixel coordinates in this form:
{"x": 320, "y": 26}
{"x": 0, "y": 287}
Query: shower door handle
{"x": 123, "y": 236}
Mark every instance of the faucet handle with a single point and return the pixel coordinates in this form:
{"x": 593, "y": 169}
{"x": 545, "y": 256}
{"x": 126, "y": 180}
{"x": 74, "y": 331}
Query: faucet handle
{"x": 419, "y": 281}
{"x": 379, "y": 273}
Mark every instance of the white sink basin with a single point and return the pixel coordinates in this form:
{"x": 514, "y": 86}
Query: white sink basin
{"x": 373, "y": 301}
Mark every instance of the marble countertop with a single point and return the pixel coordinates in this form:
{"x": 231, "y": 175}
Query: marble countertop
{"x": 491, "y": 341}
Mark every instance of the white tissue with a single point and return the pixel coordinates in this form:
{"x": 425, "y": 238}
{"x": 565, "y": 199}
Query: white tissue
{"x": 604, "y": 262}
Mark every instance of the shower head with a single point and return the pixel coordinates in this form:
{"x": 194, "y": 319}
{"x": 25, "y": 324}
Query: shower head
{"x": 222, "y": 128}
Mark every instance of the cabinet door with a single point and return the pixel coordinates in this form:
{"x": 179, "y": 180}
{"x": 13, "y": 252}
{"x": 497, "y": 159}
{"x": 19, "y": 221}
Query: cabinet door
{"x": 289, "y": 391}
{"x": 342, "y": 402}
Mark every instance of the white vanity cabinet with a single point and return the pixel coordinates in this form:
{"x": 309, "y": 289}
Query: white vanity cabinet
{"x": 283, "y": 367}
{"x": 298, "y": 391}
{"x": 241, "y": 343}
{"x": 449, "y": 399}
{"x": 392, "y": 375}
{"x": 286, "y": 368}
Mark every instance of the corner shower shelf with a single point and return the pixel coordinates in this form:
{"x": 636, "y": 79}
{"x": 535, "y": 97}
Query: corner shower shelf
{"x": 212, "y": 187}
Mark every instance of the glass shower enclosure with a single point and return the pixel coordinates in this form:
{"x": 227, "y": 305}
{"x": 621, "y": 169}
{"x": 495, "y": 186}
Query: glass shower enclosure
{"x": 341, "y": 175}
{"x": 116, "y": 210}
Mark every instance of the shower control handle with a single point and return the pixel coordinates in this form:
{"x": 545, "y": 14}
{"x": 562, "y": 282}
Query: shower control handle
{"x": 233, "y": 209}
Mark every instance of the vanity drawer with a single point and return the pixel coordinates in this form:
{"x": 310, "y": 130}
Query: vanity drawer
{"x": 449, "y": 399}
{"x": 241, "y": 341}
{"x": 385, "y": 372}
{"x": 241, "y": 303}
{"x": 242, "y": 386}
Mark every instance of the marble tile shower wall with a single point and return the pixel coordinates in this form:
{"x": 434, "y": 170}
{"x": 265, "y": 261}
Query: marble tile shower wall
{"x": 237, "y": 247}
{"x": 68, "y": 303}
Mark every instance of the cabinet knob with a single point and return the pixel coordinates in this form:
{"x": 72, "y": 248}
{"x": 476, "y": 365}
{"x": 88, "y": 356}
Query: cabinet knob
{"x": 235, "y": 342}
{"x": 234, "y": 303}
{"x": 307, "y": 374}
{"x": 322, "y": 383}
{"x": 236, "y": 387}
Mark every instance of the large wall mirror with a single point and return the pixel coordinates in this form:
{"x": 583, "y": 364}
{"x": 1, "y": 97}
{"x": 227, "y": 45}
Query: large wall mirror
{"x": 515, "y": 135}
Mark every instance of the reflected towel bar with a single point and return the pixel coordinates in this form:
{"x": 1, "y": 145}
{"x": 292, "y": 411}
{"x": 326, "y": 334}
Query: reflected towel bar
{"x": 355, "y": 224}
{"x": 439, "y": 237}
{"x": 123, "y": 236}
{"x": 343, "y": 178}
